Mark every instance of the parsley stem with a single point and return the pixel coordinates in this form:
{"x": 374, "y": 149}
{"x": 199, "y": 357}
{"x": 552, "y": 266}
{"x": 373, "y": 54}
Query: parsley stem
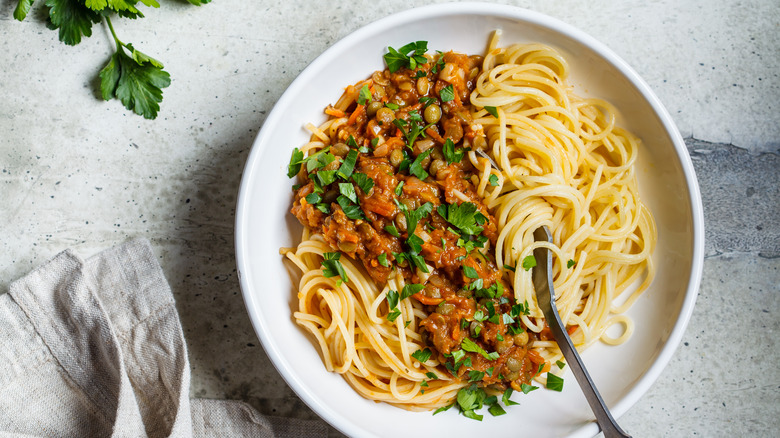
{"x": 119, "y": 44}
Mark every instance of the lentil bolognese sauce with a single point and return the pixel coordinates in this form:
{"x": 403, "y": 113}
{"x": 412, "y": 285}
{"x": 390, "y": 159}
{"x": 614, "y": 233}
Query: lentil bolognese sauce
{"x": 408, "y": 250}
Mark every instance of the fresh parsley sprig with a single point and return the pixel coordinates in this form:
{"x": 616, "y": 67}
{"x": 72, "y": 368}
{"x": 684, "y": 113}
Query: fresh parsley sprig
{"x": 131, "y": 76}
{"x": 410, "y": 56}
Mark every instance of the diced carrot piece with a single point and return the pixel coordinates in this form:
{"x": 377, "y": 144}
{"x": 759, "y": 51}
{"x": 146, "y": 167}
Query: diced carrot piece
{"x": 353, "y": 117}
{"x": 334, "y": 112}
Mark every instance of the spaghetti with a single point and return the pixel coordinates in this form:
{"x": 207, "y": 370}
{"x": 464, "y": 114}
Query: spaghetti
{"x": 418, "y": 238}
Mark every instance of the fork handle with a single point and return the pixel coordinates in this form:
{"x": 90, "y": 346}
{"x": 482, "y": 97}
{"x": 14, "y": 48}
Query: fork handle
{"x": 604, "y": 419}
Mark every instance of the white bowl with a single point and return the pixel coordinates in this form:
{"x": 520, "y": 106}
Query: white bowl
{"x": 667, "y": 185}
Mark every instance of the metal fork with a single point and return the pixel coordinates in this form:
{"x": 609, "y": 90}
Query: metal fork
{"x": 545, "y": 295}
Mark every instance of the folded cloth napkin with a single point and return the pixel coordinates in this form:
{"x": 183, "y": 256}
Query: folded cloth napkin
{"x": 95, "y": 348}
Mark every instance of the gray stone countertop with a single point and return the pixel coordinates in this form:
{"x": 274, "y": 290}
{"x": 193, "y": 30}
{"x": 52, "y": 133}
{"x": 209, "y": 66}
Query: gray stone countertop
{"x": 79, "y": 172}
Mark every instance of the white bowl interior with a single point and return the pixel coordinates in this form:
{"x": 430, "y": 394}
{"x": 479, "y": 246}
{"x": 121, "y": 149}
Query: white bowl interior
{"x": 667, "y": 185}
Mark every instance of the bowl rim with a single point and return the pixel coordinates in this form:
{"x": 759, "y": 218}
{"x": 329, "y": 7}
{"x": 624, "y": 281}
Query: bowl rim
{"x": 644, "y": 383}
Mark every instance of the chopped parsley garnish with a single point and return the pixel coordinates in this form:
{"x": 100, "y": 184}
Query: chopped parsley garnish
{"x": 415, "y": 243}
{"x": 319, "y": 159}
{"x": 509, "y": 268}
{"x": 392, "y": 230}
{"x": 464, "y": 216}
{"x": 493, "y": 179}
{"x": 443, "y": 409}
{"x": 364, "y": 96}
{"x": 392, "y": 304}
{"x": 348, "y": 190}
{"x": 426, "y": 101}
{"x": 505, "y": 398}
{"x": 382, "y": 259}
{"x": 351, "y": 210}
{"x": 451, "y": 153}
{"x": 529, "y": 262}
{"x": 422, "y": 355}
{"x": 392, "y": 106}
{"x": 409, "y": 56}
{"x": 447, "y": 93}
{"x": 326, "y": 177}
{"x": 296, "y": 159}
{"x": 470, "y": 399}
{"x": 470, "y": 272}
{"x": 348, "y": 165}
{"x": 526, "y": 388}
{"x": 496, "y": 410}
{"x": 554, "y": 382}
{"x": 570, "y": 263}
{"x": 416, "y": 168}
{"x": 476, "y": 376}
{"x": 331, "y": 266}
{"x": 471, "y": 346}
{"x": 363, "y": 181}
{"x": 414, "y": 216}
{"x": 410, "y": 289}
{"x": 560, "y": 364}
{"x": 392, "y": 299}
{"x": 398, "y": 188}
{"x": 313, "y": 198}
{"x": 492, "y": 110}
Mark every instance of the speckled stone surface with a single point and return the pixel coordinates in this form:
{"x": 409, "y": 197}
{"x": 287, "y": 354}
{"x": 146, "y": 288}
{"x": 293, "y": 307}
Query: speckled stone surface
{"x": 82, "y": 173}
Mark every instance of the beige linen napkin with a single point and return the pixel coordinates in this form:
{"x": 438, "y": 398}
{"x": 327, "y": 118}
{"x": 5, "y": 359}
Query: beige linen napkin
{"x": 95, "y": 348}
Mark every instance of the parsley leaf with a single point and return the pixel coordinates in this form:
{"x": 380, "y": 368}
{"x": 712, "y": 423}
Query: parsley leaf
{"x": 414, "y": 216}
{"x": 363, "y": 181}
{"x": 526, "y": 388}
{"x": 73, "y": 20}
{"x": 392, "y": 230}
{"x": 331, "y": 266}
{"x": 443, "y": 409}
{"x": 496, "y": 410}
{"x": 470, "y": 272}
{"x": 326, "y": 177}
{"x": 492, "y": 110}
{"x": 471, "y": 346}
{"x": 493, "y": 179}
{"x": 416, "y": 168}
{"x": 554, "y": 382}
{"x": 447, "y": 93}
{"x": 382, "y": 259}
{"x": 410, "y": 289}
{"x": 392, "y": 299}
{"x": 22, "y": 9}
{"x": 463, "y": 216}
{"x": 136, "y": 81}
{"x": 505, "y": 398}
{"x": 348, "y": 190}
{"x": 295, "y": 163}
{"x": 348, "y": 165}
{"x": 452, "y": 154}
{"x": 399, "y": 188}
{"x": 529, "y": 262}
{"x": 364, "y": 96}
{"x": 570, "y": 263}
{"x": 409, "y": 56}
{"x": 560, "y": 364}
{"x": 415, "y": 243}
{"x": 351, "y": 210}
{"x": 422, "y": 355}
